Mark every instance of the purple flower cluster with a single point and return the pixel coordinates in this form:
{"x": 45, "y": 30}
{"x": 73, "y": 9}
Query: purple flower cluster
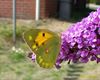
{"x": 81, "y": 42}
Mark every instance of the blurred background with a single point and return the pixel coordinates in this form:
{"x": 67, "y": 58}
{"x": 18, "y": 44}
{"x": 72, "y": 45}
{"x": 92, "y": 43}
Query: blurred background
{"x": 55, "y": 15}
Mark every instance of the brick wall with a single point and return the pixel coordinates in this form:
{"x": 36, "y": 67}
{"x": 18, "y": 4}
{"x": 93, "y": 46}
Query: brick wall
{"x": 48, "y": 8}
{"x": 26, "y": 8}
{"x": 5, "y": 8}
{"x": 51, "y": 8}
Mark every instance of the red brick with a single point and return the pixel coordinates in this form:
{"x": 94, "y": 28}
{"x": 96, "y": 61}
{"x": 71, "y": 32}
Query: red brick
{"x": 26, "y": 8}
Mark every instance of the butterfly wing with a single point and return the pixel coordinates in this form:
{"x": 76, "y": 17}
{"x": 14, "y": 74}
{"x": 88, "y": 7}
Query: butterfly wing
{"x": 30, "y": 36}
{"x": 48, "y": 52}
{"x": 45, "y": 44}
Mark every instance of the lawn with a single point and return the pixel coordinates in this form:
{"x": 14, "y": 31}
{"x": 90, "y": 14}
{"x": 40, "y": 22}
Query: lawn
{"x": 15, "y": 65}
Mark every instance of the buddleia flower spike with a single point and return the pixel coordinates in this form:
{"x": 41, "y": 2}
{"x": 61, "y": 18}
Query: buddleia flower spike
{"x": 81, "y": 42}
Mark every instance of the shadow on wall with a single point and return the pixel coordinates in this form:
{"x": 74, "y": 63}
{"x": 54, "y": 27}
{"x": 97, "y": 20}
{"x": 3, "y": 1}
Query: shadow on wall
{"x": 74, "y": 71}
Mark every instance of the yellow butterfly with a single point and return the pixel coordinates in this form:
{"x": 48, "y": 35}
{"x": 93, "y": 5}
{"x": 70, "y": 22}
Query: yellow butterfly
{"x": 45, "y": 44}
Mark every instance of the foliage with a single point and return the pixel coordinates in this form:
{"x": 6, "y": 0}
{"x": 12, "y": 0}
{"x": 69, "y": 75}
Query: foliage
{"x": 17, "y": 56}
{"x": 93, "y": 1}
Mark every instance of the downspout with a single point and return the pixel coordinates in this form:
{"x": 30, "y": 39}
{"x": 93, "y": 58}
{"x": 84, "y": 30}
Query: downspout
{"x": 37, "y": 10}
{"x": 14, "y": 21}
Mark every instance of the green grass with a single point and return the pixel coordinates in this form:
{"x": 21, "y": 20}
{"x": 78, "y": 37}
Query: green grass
{"x": 15, "y": 65}
{"x": 17, "y": 57}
